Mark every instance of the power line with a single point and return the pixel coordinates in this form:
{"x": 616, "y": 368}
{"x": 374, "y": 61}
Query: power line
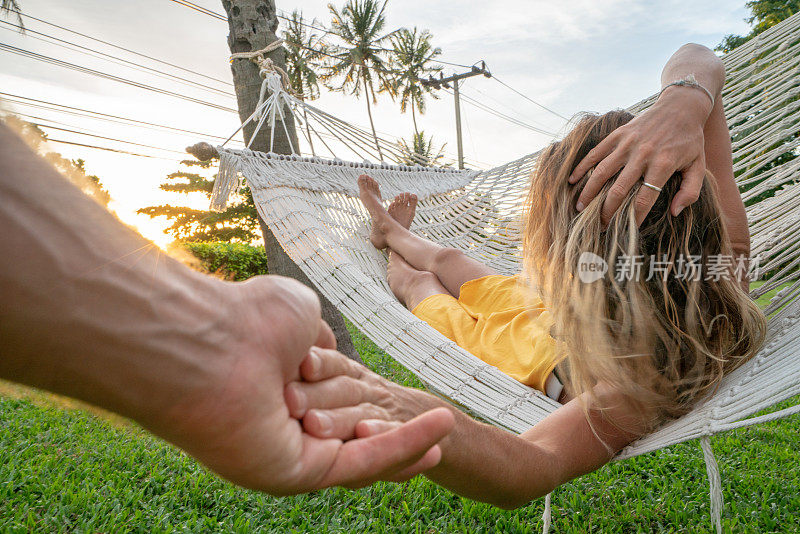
{"x": 109, "y": 149}
{"x": 450, "y": 63}
{"x": 325, "y": 31}
{"x": 95, "y": 115}
{"x": 501, "y": 82}
{"x": 32, "y": 119}
{"x": 503, "y": 116}
{"x": 128, "y": 50}
{"x": 96, "y": 136}
{"x": 508, "y": 108}
{"x": 114, "y": 59}
{"x": 201, "y": 9}
{"x": 508, "y": 118}
{"x": 69, "y": 129}
{"x": 100, "y": 74}
{"x": 214, "y": 14}
{"x": 80, "y": 68}
{"x": 43, "y": 104}
{"x": 220, "y": 16}
{"x": 116, "y": 119}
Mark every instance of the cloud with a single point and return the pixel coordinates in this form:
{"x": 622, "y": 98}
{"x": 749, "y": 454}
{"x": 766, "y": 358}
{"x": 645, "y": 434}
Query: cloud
{"x": 533, "y": 21}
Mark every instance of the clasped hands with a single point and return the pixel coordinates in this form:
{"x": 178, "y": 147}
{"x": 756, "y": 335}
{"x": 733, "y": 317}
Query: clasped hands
{"x": 243, "y": 421}
{"x": 337, "y": 398}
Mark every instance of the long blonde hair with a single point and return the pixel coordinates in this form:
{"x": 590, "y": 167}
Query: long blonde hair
{"x": 662, "y": 343}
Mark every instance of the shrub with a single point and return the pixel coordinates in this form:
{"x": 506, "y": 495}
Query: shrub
{"x": 233, "y": 261}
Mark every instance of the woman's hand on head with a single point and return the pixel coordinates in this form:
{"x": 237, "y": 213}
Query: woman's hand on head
{"x": 665, "y": 139}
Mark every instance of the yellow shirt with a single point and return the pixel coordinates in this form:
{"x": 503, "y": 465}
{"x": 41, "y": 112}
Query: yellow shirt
{"x": 500, "y": 321}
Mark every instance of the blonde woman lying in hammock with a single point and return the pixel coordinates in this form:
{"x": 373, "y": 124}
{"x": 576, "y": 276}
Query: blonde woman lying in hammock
{"x": 631, "y": 352}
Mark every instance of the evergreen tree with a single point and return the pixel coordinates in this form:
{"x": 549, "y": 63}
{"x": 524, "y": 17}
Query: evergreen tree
{"x": 238, "y": 223}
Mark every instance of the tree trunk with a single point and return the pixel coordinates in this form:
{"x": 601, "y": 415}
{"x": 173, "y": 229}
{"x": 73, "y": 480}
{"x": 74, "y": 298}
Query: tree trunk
{"x": 371, "y": 122}
{"x": 414, "y": 117}
{"x": 252, "y": 25}
{"x": 308, "y": 131}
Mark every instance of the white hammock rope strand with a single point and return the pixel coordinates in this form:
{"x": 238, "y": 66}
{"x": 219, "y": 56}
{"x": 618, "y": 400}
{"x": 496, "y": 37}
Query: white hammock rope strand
{"x": 546, "y": 515}
{"x": 714, "y": 481}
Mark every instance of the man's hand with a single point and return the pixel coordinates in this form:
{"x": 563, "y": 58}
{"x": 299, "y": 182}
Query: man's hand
{"x": 242, "y": 428}
{"x": 94, "y": 311}
{"x": 337, "y": 395}
{"x": 667, "y": 138}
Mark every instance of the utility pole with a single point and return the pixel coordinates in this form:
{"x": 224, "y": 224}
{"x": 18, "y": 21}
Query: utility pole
{"x": 459, "y": 140}
{"x": 438, "y": 83}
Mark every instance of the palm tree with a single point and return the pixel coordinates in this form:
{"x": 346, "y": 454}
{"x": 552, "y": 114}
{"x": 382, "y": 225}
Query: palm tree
{"x": 421, "y": 151}
{"x": 412, "y": 56}
{"x": 12, "y": 6}
{"x": 304, "y": 54}
{"x": 359, "y": 62}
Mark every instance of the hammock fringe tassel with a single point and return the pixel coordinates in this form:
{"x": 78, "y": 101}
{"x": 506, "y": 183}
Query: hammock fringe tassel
{"x": 228, "y": 180}
{"x": 546, "y": 515}
{"x": 714, "y": 481}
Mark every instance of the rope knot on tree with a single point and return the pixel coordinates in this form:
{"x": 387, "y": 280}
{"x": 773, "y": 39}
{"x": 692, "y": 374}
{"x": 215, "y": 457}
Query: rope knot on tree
{"x": 265, "y": 64}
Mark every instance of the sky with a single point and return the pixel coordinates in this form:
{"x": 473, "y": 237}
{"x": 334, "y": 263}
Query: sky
{"x": 569, "y": 56}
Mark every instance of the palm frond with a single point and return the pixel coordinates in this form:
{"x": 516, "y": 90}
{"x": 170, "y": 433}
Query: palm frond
{"x": 359, "y": 25}
{"x": 413, "y": 58}
{"x": 12, "y": 6}
{"x": 305, "y": 56}
{"x": 421, "y": 151}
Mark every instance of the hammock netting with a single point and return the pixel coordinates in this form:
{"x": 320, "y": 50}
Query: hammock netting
{"x": 311, "y": 204}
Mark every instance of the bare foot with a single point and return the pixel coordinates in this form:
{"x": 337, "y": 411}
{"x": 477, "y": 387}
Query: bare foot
{"x": 403, "y": 208}
{"x": 370, "y": 193}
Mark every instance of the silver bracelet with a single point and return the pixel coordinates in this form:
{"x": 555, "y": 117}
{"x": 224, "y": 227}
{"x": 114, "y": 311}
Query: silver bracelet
{"x": 689, "y": 81}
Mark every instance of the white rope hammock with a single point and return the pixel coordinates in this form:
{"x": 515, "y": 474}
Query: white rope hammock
{"x": 311, "y": 205}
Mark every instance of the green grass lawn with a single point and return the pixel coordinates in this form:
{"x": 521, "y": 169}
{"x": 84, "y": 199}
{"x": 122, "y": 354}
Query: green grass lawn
{"x": 63, "y": 468}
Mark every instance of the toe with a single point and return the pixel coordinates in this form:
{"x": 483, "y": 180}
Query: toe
{"x": 367, "y": 181}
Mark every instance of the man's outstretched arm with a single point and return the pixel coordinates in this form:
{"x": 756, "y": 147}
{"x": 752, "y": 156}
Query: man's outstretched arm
{"x": 92, "y": 310}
